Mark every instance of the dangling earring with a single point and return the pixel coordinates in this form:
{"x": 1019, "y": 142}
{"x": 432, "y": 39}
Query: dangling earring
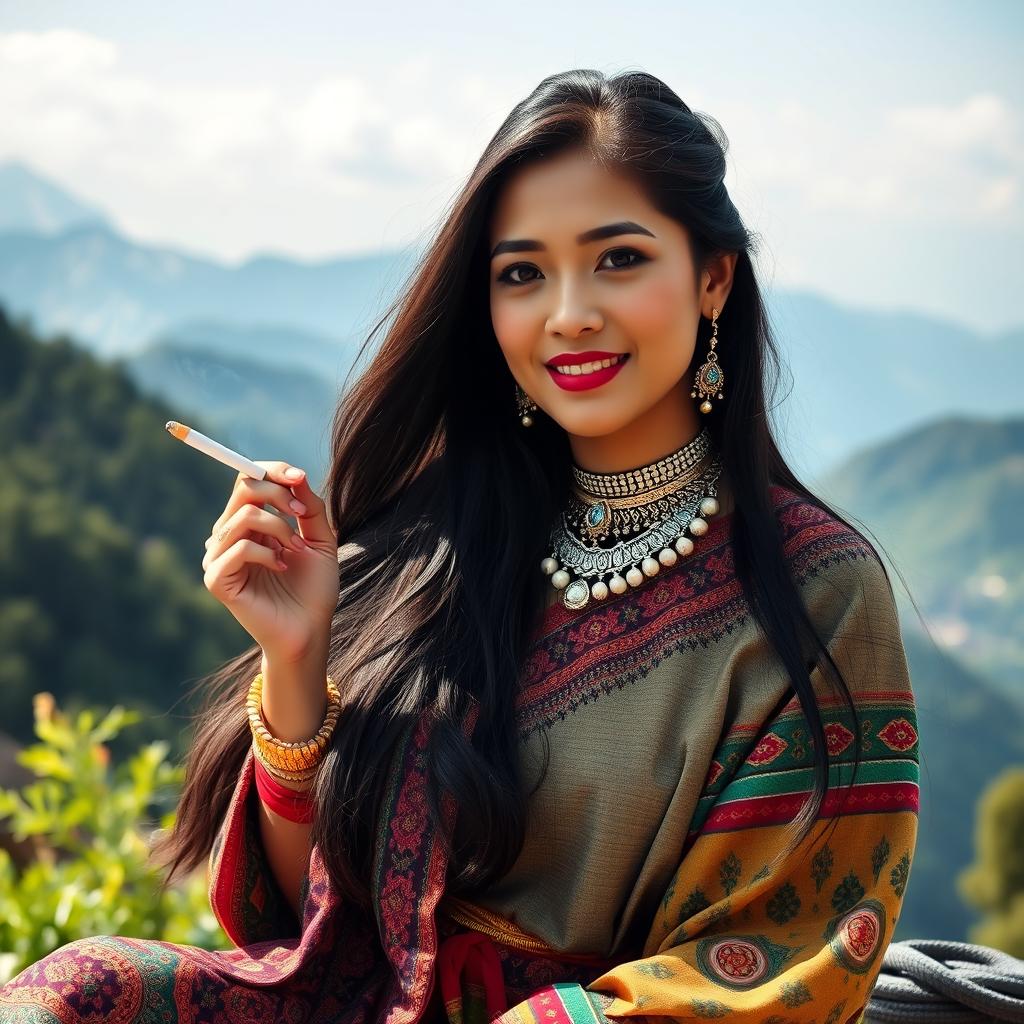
{"x": 526, "y": 406}
{"x": 709, "y": 378}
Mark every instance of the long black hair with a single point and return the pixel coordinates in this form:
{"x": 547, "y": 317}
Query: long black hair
{"x": 444, "y": 502}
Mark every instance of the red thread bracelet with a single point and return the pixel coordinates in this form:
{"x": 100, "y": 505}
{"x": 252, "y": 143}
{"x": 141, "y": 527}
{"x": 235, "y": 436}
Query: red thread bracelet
{"x": 288, "y": 803}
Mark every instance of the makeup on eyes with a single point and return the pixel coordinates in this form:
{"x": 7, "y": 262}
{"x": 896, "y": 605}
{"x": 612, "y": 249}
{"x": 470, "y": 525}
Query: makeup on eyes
{"x": 503, "y": 277}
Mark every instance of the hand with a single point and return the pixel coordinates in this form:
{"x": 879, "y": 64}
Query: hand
{"x": 279, "y": 583}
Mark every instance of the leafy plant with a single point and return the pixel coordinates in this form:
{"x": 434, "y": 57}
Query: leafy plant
{"x": 994, "y": 883}
{"x": 89, "y": 826}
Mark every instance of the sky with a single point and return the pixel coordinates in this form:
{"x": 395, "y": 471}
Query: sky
{"x": 877, "y": 149}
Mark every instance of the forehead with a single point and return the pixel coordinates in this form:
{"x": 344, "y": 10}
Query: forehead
{"x": 567, "y": 193}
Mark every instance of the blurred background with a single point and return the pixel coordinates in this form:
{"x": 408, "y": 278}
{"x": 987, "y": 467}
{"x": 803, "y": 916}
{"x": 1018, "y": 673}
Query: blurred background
{"x": 204, "y": 210}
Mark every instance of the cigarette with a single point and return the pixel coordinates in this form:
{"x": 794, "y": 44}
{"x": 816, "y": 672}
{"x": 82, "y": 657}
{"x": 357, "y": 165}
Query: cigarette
{"x": 215, "y": 449}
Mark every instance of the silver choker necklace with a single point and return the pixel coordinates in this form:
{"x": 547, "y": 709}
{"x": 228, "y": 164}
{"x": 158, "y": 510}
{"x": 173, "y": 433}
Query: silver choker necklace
{"x": 649, "y": 509}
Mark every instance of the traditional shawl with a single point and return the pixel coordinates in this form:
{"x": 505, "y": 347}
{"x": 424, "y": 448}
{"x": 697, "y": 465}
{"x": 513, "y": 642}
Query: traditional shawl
{"x": 645, "y": 888}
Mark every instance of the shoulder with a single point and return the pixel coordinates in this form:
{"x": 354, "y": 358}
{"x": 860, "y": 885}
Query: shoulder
{"x": 849, "y": 599}
{"x": 818, "y": 543}
{"x": 839, "y": 573}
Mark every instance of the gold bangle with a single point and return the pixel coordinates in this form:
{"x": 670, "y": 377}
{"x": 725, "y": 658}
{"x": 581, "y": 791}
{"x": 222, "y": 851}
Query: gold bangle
{"x": 279, "y": 773}
{"x": 291, "y": 755}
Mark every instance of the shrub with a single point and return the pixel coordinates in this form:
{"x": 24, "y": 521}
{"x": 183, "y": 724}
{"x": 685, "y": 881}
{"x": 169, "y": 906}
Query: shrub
{"x": 89, "y": 824}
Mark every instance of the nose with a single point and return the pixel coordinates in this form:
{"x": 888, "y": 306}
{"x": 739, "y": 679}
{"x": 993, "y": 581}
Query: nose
{"x": 575, "y": 315}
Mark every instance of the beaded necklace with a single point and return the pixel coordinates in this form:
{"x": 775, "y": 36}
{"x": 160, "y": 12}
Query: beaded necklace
{"x": 645, "y": 513}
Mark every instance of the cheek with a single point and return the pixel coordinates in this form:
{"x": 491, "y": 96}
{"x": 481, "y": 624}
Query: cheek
{"x": 657, "y": 308}
{"x": 513, "y": 328}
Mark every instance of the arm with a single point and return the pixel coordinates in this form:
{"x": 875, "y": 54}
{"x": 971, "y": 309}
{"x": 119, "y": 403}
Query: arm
{"x": 260, "y": 861}
{"x": 737, "y": 938}
{"x": 287, "y": 842}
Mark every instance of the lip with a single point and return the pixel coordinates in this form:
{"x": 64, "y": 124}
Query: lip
{"x": 585, "y": 381}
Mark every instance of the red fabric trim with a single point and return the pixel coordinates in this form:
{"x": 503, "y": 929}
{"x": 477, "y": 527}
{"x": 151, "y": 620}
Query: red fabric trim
{"x": 283, "y": 801}
{"x": 867, "y": 798}
{"x": 473, "y": 955}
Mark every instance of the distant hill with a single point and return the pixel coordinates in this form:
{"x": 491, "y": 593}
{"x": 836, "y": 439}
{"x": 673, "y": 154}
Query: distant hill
{"x": 861, "y": 376}
{"x": 285, "y": 347}
{"x": 262, "y": 410}
{"x": 33, "y": 203}
{"x": 116, "y": 296}
{"x": 969, "y": 734}
{"x": 945, "y": 500}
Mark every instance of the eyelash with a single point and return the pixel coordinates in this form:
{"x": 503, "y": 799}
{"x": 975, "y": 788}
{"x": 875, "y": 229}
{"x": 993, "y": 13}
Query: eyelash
{"x": 503, "y": 277}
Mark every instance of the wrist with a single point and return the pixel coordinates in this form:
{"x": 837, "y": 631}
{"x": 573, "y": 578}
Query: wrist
{"x": 309, "y": 657}
{"x": 294, "y": 698}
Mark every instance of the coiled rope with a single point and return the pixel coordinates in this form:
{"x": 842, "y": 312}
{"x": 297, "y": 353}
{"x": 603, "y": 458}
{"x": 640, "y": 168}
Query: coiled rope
{"x": 937, "y": 980}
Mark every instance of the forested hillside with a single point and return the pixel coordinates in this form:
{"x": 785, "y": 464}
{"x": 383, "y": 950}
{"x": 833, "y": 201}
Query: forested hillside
{"x": 102, "y": 521}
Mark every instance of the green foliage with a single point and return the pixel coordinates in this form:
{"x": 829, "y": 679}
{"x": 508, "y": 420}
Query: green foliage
{"x": 103, "y": 516}
{"x": 90, "y": 825}
{"x": 994, "y": 883}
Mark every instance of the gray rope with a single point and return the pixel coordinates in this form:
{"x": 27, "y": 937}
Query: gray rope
{"x": 935, "y": 980}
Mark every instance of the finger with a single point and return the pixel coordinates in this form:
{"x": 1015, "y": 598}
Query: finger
{"x": 240, "y": 554}
{"x": 312, "y": 522}
{"x": 253, "y": 523}
{"x": 272, "y": 490}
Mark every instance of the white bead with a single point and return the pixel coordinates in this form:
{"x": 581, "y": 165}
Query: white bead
{"x": 634, "y": 577}
{"x": 599, "y": 591}
{"x": 698, "y": 527}
{"x": 560, "y": 579}
{"x": 709, "y": 506}
{"x": 548, "y": 566}
{"x": 617, "y": 585}
{"x": 650, "y": 566}
{"x": 684, "y": 545}
{"x": 667, "y": 556}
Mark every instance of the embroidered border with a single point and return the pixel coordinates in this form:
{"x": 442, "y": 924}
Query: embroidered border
{"x": 576, "y": 656}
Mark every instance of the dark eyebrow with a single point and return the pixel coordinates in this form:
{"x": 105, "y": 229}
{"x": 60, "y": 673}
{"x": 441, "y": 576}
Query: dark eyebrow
{"x": 625, "y": 227}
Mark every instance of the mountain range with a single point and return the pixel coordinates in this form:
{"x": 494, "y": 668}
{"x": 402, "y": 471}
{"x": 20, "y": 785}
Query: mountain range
{"x": 856, "y": 377}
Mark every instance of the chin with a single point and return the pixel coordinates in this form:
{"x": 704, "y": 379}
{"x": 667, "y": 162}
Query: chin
{"x": 593, "y": 424}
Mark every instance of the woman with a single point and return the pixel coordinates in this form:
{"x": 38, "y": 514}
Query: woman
{"x": 603, "y": 663}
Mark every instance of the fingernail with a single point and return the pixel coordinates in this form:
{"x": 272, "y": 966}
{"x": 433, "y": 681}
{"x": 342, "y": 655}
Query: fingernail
{"x": 293, "y": 474}
{"x": 296, "y": 506}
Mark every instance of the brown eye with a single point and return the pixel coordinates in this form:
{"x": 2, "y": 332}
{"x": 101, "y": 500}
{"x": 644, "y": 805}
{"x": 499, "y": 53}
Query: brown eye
{"x": 505, "y": 275}
{"x": 625, "y": 252}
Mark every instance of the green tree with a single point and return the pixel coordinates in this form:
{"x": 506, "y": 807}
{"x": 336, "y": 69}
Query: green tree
{"x": 91, "y": 826}
{"x": 102, "y": 521}
{"x": 994, "y": 883}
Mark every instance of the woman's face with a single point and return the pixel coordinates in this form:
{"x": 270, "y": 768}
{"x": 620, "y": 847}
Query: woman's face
{"x": 635, "y": 297}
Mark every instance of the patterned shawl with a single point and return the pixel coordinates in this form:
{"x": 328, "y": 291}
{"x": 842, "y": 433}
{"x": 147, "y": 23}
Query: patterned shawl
{"x": 676, "y": 913}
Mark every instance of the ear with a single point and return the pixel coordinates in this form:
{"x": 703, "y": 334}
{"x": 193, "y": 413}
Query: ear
{"x": 717, "y": 283}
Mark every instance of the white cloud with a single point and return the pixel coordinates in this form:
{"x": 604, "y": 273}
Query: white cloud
{"x": 231, "y": 167}
{"x": 962, "y": 163}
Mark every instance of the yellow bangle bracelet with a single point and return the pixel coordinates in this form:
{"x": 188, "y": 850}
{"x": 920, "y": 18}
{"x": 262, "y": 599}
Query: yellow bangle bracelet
{"x": 280, "y": 773}
{"x": 289, "y": 758}
{"x": 284, "y": 755}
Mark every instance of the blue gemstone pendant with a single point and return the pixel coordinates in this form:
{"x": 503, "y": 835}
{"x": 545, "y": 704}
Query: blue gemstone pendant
{"x": 597, "y": 519}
